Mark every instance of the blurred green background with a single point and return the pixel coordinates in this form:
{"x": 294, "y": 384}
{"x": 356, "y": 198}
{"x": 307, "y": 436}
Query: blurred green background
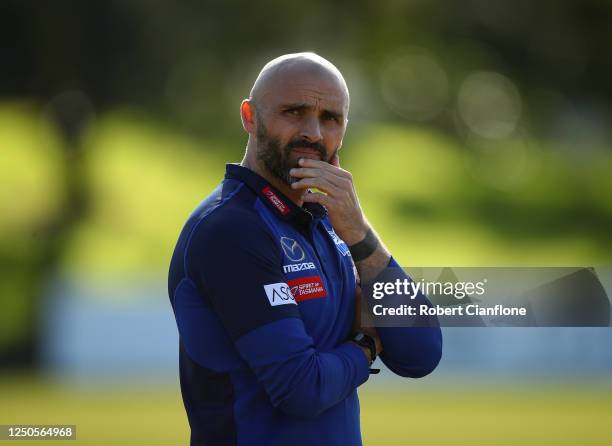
{"x": 479, "y": 135}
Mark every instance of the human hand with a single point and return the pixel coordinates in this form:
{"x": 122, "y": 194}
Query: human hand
{"x": 339, "y": 197}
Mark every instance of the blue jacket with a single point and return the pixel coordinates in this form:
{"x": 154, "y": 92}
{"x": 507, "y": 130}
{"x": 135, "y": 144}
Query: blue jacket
{"x": 263, "y": 293}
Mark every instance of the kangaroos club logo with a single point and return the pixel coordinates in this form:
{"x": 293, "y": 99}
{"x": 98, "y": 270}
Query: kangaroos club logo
{"x": 292, "y": 249}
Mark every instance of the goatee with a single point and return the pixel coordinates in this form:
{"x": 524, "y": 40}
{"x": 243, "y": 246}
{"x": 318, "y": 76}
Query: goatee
{"x": 276, "y": 158}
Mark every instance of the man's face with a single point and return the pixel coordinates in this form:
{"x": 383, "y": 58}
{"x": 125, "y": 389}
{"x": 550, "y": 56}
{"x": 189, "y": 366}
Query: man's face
{"x": 302, "y": 116}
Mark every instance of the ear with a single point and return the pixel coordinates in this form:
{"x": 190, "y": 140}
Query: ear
{"x": 246, "y": 115}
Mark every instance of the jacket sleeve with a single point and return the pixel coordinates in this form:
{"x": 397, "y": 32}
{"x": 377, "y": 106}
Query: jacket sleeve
{"x": 412, "y": 351}
{"x": 237, "y": 265}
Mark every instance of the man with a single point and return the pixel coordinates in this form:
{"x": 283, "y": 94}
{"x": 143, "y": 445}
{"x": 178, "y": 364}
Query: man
{"x": 263, "y": 280}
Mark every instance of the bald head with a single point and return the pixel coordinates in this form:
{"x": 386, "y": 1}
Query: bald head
{"x": 289, "y": 67}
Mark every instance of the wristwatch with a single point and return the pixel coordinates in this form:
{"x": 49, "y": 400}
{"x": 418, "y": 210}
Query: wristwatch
{"x": 366, "y": 341}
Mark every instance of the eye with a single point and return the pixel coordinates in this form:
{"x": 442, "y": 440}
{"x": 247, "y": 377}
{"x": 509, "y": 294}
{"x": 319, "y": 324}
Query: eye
{"x": 330, "y": 117}
{"x": 293, "y": 112}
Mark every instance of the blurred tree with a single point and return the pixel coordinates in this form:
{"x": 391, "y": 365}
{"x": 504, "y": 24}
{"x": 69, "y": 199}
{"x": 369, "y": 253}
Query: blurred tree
{"x": 186, "y": 60}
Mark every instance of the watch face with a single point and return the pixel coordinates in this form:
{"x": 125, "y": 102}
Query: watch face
{"x": 359, "y": 337}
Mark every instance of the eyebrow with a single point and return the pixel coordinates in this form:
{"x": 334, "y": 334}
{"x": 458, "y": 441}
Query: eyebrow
{"x": 303, "y": 106}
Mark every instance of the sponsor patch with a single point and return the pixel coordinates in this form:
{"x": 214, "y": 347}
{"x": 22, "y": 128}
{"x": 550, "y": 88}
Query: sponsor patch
{"x": 279, "y": 294}
{"x": 306, "y": 288}
{"x": 294, "y": 268}
{"x": 275, "y": 200}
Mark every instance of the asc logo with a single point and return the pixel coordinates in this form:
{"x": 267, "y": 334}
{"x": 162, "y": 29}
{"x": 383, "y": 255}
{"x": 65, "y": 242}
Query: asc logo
{"x": 292, "y": 249}
{"x": 279, "y": 294}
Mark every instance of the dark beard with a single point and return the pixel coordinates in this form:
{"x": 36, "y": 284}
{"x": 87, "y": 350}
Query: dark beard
{"x": 276, "y": 158}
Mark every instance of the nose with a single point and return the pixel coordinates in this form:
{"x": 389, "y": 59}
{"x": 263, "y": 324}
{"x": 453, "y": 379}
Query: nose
{"x": 311, "y": 130}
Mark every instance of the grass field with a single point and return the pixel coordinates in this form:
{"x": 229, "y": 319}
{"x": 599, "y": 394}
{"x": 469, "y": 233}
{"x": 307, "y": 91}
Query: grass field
{"x": 449, "y": 415}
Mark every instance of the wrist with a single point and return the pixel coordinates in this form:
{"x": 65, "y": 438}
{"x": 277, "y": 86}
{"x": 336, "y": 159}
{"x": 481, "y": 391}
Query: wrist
{"x": 368, "y": 346}
{"x": 355, "y": 235}
{"x": 365, "y": 247}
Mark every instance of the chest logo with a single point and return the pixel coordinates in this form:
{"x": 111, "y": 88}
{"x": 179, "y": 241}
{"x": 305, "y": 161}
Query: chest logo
{"x": 292, "y": 249}
{"x": 296, "y": 267}
{"x": 306, "y": 288}
{"x": 338, "y": 242}
{"x": 279, "y": 294}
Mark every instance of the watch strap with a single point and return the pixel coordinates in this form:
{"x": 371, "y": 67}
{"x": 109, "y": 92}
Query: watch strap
{"x": 368, "y": 342}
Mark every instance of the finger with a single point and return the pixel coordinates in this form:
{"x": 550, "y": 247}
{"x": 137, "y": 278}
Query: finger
{"x": 305, "y": 172}
{"x": 318, "y": 197}
{"x": 309, "y": 162}
{"x": 320, "y": 183}
{"x": 317, "y": 164}
{"x": 309, "y": 172}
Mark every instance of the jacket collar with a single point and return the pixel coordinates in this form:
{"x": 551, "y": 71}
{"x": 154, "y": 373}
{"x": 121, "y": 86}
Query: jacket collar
{"x": 282, "y": 206}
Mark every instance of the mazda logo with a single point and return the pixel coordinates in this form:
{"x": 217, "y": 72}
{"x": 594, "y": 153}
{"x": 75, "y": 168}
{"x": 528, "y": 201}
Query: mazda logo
{"x": 292, "y": 249}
